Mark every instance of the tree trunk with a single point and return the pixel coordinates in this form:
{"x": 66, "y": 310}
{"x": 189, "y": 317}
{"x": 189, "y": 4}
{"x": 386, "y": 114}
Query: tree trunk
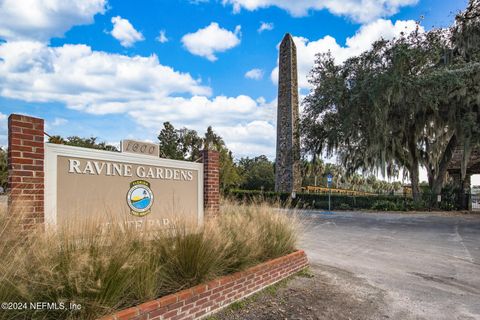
{"x": 414, "y": 179}
{"x": 431, "y": 176}
{"x": 437, "y": 184}
{"x": 414, "y": 164}
{"x": 463, "y": 195}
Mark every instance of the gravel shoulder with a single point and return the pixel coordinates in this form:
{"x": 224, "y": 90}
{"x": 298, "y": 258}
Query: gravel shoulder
{"x": 324, "y": 293}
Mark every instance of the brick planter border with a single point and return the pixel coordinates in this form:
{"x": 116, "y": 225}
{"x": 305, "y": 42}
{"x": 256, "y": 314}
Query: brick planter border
{"x": 204, "y": 299}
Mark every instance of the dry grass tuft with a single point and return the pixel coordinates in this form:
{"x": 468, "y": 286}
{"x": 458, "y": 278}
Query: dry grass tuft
{"x": 107, "y": 270}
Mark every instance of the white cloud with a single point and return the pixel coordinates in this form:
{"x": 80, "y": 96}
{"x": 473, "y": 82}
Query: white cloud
{"x": 124, "y": 32}
{"x": 251, "y": 139}
{"x": 358, "y": 10}
{"x": 3, "y": 130}
{"x": 265, "y": 26}
{"x": 102, "y": 83}
{"x": 358, "y": 43}
{"x": 162, "y": 37}
{"x": 255, "y": 74}
{"x": 211, "y": 39}
{"x": 44, "y": 19}
{"x": 81, "y": 78}
{"x": 98, "y": 82}
{"x": 247, "y": 125}
{"x": 200, "y": 111}
{"x": 59, "y": 122}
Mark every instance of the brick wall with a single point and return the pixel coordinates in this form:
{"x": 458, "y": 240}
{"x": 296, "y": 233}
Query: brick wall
{"x": 211, "y": 182}
{"x": 204, "y": 299}
{"x": 26, "y": 169}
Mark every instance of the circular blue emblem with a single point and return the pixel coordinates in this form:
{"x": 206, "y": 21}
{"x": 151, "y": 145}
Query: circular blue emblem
{"x": 140, "y": 198}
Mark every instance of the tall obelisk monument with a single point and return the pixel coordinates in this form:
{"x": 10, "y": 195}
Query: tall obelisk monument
{"x": 287, "y": 163}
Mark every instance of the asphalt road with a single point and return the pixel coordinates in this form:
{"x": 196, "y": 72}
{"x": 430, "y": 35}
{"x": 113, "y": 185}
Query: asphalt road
{"x": 426, "y": 266}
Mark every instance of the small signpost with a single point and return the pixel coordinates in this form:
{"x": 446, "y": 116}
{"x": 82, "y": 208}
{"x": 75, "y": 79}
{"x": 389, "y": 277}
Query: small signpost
{"x": 329, "y": 183}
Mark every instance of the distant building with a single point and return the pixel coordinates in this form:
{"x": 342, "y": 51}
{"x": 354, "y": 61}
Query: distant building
{"x": 476, "y": 190}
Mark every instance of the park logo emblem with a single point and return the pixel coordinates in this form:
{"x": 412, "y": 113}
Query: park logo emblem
{"x": 140, "y": 198}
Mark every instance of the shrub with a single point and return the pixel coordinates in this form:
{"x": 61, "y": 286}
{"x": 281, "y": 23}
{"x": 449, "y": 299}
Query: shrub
{"x": 311, "y": 200}
{"x": 118, "y": 268}
{"x": 344, "y": 206}
{"x": 419, "y": 205}
{"x": 384, "y": 205}
{"x": 447, "y": 206}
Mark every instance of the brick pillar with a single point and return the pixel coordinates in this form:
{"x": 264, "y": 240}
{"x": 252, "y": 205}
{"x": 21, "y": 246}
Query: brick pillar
{"x": 211, "y": 182}
{"x": 26, "y": 153}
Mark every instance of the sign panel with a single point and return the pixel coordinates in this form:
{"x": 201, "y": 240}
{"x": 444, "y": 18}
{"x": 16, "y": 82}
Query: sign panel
{"x": 329, "y": 179}
{"x": 110, "y": 186}
{"x": 139, "y": 147}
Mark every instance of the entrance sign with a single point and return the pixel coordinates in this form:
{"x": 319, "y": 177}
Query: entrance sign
{"x": 55, "y": 184}
{"x": 88, "y": 183}
{"x": 139, "y": 147}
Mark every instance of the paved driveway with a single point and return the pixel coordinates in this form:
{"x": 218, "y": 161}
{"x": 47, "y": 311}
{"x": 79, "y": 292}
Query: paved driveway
{"x": 426, "y": 266}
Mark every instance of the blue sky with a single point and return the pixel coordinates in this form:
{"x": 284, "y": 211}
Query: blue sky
{"x": 100, "y": 68}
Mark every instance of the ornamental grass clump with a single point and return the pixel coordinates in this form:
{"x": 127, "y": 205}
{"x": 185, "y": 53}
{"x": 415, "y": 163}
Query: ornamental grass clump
{"x": 107, "y": 269}
{"x": 258, "y": 232}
